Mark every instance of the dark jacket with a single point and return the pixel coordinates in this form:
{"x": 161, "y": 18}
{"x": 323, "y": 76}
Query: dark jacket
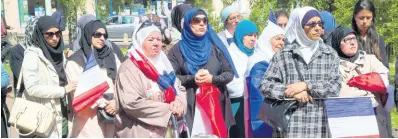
{"x": 16, "y": 59}
{"x": 222, "y": 72}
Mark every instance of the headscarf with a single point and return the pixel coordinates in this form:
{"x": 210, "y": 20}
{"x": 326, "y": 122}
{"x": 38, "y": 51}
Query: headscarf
{"x": 160, "y": 62}
{"x": 295, "y": 32}
{"x": 177, "y": 14}
{"x": 329, "y": 22}
{"x": 244, "y": 28}
{"x": 54, "y": 55}
{"x": 79, "y": 30}
{"x": 339, "y": 34}
{"x": 29, "y": 30}
{"x": 104, "y": 56}
{"x": 227, "y": 11}
{"x": 197, "y": 50}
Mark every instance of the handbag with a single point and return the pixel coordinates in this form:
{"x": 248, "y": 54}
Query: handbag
{"x": 278, "y": 112}
{"x": 30, "y": 117}
{"x": 102, "y": 116}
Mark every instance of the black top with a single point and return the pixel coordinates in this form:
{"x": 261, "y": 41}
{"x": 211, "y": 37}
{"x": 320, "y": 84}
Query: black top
{"x": 218, "y": 66}
{"x": 16, "y": 59}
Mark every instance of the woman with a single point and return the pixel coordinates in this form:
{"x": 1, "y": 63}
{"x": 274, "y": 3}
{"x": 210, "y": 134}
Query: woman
{"x": 230, "y": 17}
{"x": 329, "y": 25}
{"x": 353, "y": 63}
{"x": 304, "y": 69}
{"x": 177, "y": 16}
{"x": 245, "y": 37}
{"x": 199, "y": 49}
{"x": 44, "y": 74}
{"x": 79, "y": 31}
{"x": 270, "y": 42}
{"x": 370, "y": 41}
{"x": 144, "y": 103}
{"x": 282, "y": 17}
{"x": 92, "y": 41}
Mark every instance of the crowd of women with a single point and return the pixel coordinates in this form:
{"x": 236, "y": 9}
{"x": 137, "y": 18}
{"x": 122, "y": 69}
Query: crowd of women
{"x": 306, "y": 57}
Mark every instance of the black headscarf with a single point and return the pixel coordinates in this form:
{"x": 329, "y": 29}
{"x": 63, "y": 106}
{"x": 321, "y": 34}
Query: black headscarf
{"x": 53, "y": 54}
{"x": 177, "y": 14}
{"x": 339, "y": 34}
{"x": 104, "y": 56}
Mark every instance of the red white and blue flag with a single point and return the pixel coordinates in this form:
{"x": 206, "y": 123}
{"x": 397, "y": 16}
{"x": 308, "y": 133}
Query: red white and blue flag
{"x": 351, "y": 118}
{"x": 92, "y": 85}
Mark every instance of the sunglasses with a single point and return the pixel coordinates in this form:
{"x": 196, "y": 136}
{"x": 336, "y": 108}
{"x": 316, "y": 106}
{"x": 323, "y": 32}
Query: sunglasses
{"x": 282, "y": 25}
{"x": 51, "y": 34}
{"x": 197, "y": 20}
{"x": 99, "y": 35}
{"x": 313, "y": 24}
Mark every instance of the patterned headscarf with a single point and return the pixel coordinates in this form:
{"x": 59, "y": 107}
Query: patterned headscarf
{"x": 29, "y": 30}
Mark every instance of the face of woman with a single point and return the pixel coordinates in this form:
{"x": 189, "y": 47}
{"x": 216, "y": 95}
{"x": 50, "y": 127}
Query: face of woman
{"x": 52, "y": 36}
{"x": 233, "y": 20}
{"x": 277, "y": 42}
{"x": 349, "y": 45}
{"x": 313, "y": 28}
{"x": 152, "y": 44}
{"x": 250, "y": 40}
{"x": 199, "y": 25}
{"x": 363, "y": 20}
{"x": 282, "y": 21}
{"x": 98, "y": 38}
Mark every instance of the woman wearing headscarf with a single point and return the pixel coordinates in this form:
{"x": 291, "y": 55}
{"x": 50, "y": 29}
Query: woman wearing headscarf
{"x": 200, "y": 58}
{"x": 329, "y": 24}
{"x": 83, "y": 20}
{"x": 270, "y": 42}
{"x": 44, "y": 74}
{"x": 355, "y": 63}
{"x": 304, "y": 69}
{"x": 147, "y": 90}
{"x": 92, "y": 41}
{"x": 245, "y": 37}
{"x": 230, "y": 17}
{"x": 177, "y": 17}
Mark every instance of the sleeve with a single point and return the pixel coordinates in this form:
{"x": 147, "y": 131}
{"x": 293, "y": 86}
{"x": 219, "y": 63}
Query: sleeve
{"x": 227, "y": 74}
{"x": 186, "y": 80}
{"x": 378, "y": 67}
{"x": 5, "y": 79}
{"x": 182, "y": 94}
{"x": 130, "y": 98}
{"x": 31, "y": 78}
{"x": 272, "y": 85}
{"x": 16, "y": 60}
{"x": 383, "y": 53}
{"x": 330, "y": 87}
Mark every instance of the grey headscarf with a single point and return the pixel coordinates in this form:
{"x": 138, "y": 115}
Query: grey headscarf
{"x": 29, "y": 30}
{"x": 80, "y": 26}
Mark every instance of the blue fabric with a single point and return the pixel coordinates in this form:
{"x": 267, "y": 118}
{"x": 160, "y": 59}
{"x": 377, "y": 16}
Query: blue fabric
{"x": 197, "y": 50}
{"x": 329, "y": 22}
{"x": 5, "y": 79}
{"x": 310, "y": 14}
{"x": 259, "y": 127}
{"x": 244, "y": 28}
{"x": 230, "y": 40}
{"x": 227, "y": 11}
{"x": 272, "y": 17}
{"x": 167, "y": 80}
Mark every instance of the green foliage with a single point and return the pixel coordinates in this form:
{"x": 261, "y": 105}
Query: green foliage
{"x": 260, "y": 11}
{"x": 71, "y": 8}
{"x": 207, "y": 6}
{"x": 103, "y": 10}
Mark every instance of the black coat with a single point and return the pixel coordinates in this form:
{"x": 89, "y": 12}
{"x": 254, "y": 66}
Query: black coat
{"x": 222, "y": 72}
{"x": 16, "y": 59}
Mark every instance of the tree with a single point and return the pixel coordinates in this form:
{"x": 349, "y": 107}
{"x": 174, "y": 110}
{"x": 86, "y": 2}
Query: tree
{"x": 214, "y": 21}
{"x": 103, "y": 10}
{"x": 260, "y": 11}
{"x": 71, "y": 8}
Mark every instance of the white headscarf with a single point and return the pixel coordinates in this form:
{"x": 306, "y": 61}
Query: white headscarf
{"x": 160, "y": 62}
{"x": 296, "y": 32}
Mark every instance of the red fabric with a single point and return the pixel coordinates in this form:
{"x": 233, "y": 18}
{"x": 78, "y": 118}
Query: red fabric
{"x": 208, "y": 100}
{"x": 89, "y": 97}
{"x": 3, "y": 30}
{"x": 150, "y": 72}
{"x": 370, "y": 82}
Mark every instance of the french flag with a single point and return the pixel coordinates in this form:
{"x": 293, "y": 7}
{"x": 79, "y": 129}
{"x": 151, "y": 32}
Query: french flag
{"x": 92, "y": 85}
{"x": 351, "y": 118}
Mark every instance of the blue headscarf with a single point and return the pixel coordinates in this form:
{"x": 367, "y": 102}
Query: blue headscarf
{"x": 244, "y": 28}
{"x": 328, "y": 20}
{"x": 197, "y": 50}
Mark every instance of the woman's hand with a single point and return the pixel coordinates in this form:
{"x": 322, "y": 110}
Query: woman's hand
{"x": 295, "y": 88}
{"x": 177, "y": 108}
{"x": 110, "y": 107}
{"x": 303, "y": 97}
{"x": 70, "y": 87}
{"x": 203, "y": 76}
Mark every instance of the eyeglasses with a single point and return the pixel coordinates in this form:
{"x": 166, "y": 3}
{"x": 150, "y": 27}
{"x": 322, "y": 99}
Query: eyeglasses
{"x": 99, "y": 35}
{"x": 282, "y": 25}
{"x": 197, "y": 20}
{"x": 313, "y": 24}
{"x": 235, "y": 18}
{"x": 350, "y": 40}
{"x": 51, "y": 34}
